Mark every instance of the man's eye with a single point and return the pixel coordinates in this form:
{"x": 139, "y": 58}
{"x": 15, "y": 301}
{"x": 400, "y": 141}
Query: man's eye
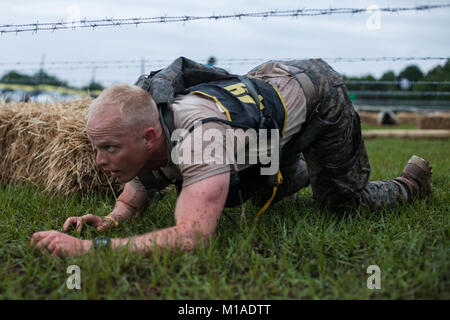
{"x": 109, "y": 148}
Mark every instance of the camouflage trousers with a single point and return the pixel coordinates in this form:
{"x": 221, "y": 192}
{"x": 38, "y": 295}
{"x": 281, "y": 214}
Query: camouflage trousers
{"x": 329, "y": 151}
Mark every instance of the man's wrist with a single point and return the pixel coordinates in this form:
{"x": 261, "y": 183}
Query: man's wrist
{"x": 112, "y": 219}
{"x": 122, "y": 211}
{"x": 86, "y": 245}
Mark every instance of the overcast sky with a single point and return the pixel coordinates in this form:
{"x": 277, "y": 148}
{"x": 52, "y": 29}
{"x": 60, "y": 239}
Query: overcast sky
{"x": 416, "y": 34}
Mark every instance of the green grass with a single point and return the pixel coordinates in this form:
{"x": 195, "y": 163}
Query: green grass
{"x": 292, "y": 252}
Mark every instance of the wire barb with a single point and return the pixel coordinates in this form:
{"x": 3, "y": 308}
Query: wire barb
{"x": 111, "y": 22}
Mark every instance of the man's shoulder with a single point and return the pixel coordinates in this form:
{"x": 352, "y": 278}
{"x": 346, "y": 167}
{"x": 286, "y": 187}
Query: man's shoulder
{"x": 190, "y": 108}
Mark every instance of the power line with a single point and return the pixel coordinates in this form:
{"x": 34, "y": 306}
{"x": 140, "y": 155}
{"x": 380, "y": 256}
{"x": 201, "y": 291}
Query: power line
{"x": 85, "y": 23}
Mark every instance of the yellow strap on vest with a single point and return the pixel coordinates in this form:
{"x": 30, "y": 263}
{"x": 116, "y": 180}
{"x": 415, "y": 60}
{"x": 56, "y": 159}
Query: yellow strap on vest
{"x": 275, "y": 189}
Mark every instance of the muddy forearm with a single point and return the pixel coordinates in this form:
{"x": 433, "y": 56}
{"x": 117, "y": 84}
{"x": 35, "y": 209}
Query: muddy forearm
{"x": 128, "y": 202}
{"x": 176, "y": 237}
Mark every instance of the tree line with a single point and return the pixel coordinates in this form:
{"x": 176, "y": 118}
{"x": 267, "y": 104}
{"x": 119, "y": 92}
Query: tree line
{"x": 411, "y": 73}
{"x": 43, "y": 78}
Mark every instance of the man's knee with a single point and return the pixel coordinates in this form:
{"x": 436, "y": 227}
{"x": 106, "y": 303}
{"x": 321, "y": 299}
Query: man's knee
{"x": 295, "y": 177}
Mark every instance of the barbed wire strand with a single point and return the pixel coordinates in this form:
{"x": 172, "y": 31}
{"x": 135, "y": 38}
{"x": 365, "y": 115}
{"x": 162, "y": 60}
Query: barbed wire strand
{"x": 382, "y": 82}
{"x": 374, "y": 82}
{"x": 400, "y": 93}
{"x": 225, "y": 61}
{"x": 356, "y": 92}
{"x": 108, "y": 22}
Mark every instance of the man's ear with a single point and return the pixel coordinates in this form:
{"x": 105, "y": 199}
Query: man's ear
{"x": 149, "y": 136}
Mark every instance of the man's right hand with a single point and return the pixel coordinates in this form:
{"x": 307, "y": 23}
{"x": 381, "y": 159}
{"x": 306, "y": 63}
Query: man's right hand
{"x": 100, "y": 223}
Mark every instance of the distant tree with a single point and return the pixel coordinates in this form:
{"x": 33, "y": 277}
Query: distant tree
{"x": 41, "y": 77}
{"x": 354, "y": 86}
{"x": 388, "y": 76}
{"x": 93, "y": 86}
{"x": 15, "y": 77}
{"x": 438, "y": 73}
{"x": 412, "y": 73}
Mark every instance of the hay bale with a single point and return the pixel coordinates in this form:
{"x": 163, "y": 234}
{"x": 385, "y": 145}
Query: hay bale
{"x": 435, "y": 121}
{"x": 46, "y": 144}
{"x": 368, "y": 117}
{"x": 409, "y": 117}
{"x": 380, "y": 118}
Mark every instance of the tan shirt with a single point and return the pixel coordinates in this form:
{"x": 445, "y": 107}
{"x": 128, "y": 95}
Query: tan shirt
{"x": 188, "y": 109}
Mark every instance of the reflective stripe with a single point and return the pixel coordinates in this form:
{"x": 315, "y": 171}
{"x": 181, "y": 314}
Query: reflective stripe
{"x": 275, "y": 189}
{"x": 217, "y": 101}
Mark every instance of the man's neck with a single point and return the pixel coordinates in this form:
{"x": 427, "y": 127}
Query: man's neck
{"x": 160, "y": 157}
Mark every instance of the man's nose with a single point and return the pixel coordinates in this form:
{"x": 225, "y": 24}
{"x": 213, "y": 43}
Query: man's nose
{"x": 100, "y": 158}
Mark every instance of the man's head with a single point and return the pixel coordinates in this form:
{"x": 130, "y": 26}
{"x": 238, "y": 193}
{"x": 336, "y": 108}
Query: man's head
{"x": 123, "y": 125}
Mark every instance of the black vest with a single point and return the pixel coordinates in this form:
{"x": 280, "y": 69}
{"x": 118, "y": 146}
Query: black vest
{"x": 248, "y": 104}
{"x": 241, "y": 109}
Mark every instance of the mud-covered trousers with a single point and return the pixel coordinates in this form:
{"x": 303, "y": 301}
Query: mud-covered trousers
{"x": 335, "y": 157}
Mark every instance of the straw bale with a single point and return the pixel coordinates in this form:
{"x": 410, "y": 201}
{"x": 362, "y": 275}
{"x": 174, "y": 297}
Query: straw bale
{"x": 46, "y": 144}
{"x": 435, "y": 121}
{"x": 408, "y": 117}
{"x": 380, "y": 118}
{"x": 368, "y": 117}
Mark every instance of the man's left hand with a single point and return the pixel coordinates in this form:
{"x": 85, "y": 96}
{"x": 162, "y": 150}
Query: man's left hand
{"x": 59, "y": 244}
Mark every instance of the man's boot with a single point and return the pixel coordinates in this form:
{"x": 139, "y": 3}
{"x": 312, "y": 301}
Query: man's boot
{"x": 417, "y": 176}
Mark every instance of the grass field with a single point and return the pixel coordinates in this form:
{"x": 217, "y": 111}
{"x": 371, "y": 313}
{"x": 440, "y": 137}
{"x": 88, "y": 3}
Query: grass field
{"x": 292, "y": 252}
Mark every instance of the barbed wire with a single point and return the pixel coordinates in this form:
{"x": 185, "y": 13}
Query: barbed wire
{"x": 370, "y": 82}
{"x": 225, "y": 61}
{"x": 84, "y": 67}
{"x": 108, "y": 22}
{"x": 378, "y": 59}
{"x": 356, "y": 92}
{"x": 152, "y": 64}
{"x": 90, "y": 62}
{"x": 396, "y": 82}
{"x": 399, "y": 93}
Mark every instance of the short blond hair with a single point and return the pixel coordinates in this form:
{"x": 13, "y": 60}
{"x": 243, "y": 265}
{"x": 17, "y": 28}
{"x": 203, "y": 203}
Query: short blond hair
{"x": 136, "y": 106}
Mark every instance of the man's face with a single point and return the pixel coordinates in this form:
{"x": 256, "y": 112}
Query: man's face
{"x": 120, "y": 151}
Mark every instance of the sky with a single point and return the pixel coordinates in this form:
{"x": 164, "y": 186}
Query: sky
{"x": 409, "y": 34}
